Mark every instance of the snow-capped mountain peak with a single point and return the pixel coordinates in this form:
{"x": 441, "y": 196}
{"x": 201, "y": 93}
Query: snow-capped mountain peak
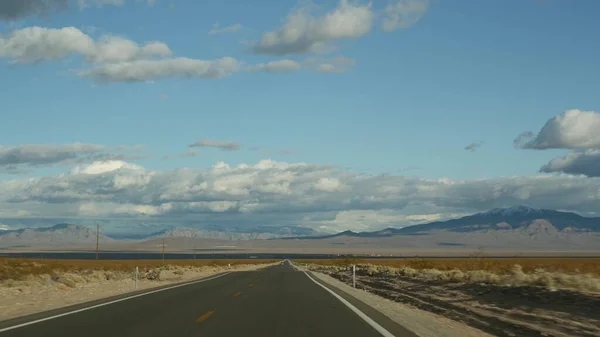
{"x": 512, "y": 211}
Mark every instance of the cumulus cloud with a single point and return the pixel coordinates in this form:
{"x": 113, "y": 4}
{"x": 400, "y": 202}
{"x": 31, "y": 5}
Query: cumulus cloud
{"x": 18, "y": 159}
{"x": 574, "y": 129}
{"x": 338, "y": 64}
{"x": 148, "y": 70}
{"x": 277, "y": 66}
{"x": 36, "y": 44}
{"x": 403, "y": 14}
{"x": 114, "y": 59}
{"x": 217, "y": 29}
{"x": 17, "y": 9}
{"x": 218, "y": 144}
{"x": 304, "y": 32}
{"x": 581, "y": 162}
{"x": 473, "y": 146}
{"x": 270, "y": 192}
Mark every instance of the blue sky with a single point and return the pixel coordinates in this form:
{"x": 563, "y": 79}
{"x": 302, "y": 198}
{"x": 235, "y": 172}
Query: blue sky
{"x": 408, "y": 102}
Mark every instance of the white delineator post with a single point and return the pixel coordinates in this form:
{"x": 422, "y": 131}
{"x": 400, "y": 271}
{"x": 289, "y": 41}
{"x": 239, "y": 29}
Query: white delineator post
{"x": 137, "y": 277}
{"x": 354, "y": 275}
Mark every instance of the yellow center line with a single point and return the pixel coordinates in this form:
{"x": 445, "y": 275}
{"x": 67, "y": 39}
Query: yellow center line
{"x": 237, "y": 294}
{"x": 205, "y": 316}
{"x": 250, "y": 285}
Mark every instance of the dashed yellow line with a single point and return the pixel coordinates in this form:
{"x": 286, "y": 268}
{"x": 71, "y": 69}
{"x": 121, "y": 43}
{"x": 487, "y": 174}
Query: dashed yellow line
{"x": 237, "y": 294}
{"x": 251, "y": 285}
{"x": 205, "y": 316}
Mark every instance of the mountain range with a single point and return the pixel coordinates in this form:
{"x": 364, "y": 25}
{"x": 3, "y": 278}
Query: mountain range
{"x": 519, "y": 218}
{"x": 259, "y": 233}
{"x": 518, "y": 226}
{"x": 60, "y": 234}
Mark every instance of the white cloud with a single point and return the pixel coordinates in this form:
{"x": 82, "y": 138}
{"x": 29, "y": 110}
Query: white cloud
{"x": 329, "y": 185}
{"x": 574, "y": 129}
{"x": 35, "y": 44}
{"x": 337, "y": 64}
{"x": 580, "y": 162}
{"x": 100, "y": 167}
{"x": 277, "y": 66}
{"x": 403, "y": 14}
{"x": 218, "y": 144}
{"x": 304, "y": 32}
{"x": 147, "y": 70}
{"x": 118, "y": 49}
{"x": 223, "y": 30}
{"x": 271, "y": 192}
{"x": 115, "y": 59}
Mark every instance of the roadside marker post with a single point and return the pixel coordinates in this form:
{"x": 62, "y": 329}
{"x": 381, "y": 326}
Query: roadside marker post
{"x": 354, "y": 275}
{"x": 137, "y": 277}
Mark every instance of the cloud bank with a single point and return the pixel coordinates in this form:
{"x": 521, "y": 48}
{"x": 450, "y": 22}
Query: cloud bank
{"x": 270, "y": 192}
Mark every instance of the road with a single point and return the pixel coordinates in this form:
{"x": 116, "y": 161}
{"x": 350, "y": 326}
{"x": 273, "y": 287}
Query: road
{"x": 274, "y": 301}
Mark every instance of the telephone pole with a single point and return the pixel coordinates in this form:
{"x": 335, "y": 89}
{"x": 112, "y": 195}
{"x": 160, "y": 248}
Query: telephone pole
{"x": 97, "y": 238}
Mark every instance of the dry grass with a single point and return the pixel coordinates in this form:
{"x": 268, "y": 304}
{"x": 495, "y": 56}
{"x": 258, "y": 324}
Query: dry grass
{"x": 480, "y": 262}
{"x": 581, "y": 274}
{"x": 20, "y": 269}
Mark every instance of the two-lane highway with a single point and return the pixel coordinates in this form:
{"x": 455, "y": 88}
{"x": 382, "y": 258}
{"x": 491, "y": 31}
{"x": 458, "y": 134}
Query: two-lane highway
{"x": 275, "y": 301}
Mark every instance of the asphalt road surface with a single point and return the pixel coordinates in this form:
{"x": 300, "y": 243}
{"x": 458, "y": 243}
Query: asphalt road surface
{"x": 277, "y": 301}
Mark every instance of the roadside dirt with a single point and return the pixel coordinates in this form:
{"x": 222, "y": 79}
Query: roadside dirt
{"x": 500, "y": 310}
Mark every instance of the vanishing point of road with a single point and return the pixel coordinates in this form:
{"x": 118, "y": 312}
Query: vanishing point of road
{"x": 277, "y": 301}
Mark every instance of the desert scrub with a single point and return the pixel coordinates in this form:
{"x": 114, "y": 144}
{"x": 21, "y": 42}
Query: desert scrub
{"x": 562, "y": 275}
{"x": 477, "y": 261}
{"x": 20, "y": 269}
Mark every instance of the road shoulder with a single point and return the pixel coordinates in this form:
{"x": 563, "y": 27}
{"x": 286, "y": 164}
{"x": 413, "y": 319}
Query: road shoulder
{"x": 419, "y": 322}
{"x": 381, "y": 319}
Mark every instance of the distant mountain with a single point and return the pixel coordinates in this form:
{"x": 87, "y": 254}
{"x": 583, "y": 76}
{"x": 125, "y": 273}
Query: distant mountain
{"x": 60, "y": 234}
{"x": 511, "y": 219}
{"x": 235, "y": 234}
{"x": 520, "y": 219}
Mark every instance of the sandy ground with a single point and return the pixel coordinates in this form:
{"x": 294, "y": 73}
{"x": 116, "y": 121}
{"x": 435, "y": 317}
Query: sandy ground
{"x": 498, "y": 309}
{"x": 37, "y": 294}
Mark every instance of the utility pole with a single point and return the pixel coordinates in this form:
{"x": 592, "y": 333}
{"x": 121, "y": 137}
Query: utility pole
{"x": 194, "y": 252}
{"x": 163, "y": 249}
{"x": 97, "y": 238}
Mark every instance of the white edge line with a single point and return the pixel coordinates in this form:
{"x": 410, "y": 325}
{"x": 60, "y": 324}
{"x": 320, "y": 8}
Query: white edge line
{"x": 360, "y": 314}
{"x": 107, "y": 303}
